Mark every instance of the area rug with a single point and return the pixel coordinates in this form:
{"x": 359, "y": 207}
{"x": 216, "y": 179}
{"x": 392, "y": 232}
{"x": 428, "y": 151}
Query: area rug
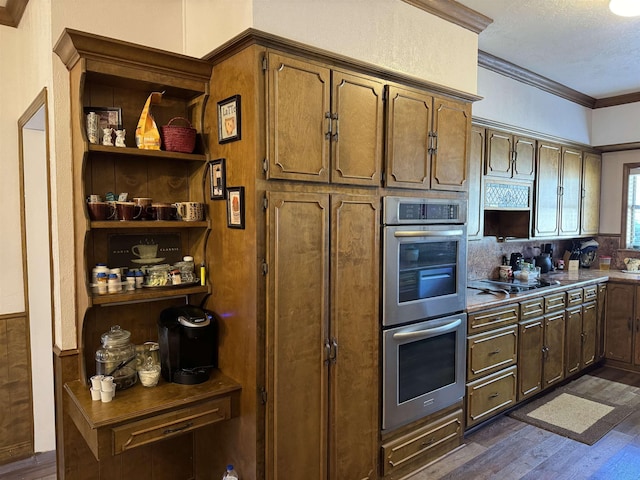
{"x": 573, "y": 414}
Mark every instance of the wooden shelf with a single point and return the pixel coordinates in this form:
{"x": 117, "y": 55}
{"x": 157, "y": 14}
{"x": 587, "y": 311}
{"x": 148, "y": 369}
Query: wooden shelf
{"x": 152, "y": 224}
{"x": 136, "y": 152}
{"x": 147, "y": 294}
{"x": 139, "y": 410}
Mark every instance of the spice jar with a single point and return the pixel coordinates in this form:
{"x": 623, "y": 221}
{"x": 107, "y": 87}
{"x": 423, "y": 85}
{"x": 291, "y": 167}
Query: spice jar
{"x": 117, "y": 357}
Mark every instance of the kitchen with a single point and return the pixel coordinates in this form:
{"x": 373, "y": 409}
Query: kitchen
{"x": 64, "y": 328}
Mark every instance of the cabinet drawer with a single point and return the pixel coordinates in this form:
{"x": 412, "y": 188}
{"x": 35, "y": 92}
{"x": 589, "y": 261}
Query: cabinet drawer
{"x": 493, "y": 318}
{"x": 555, "y": 302}
{"x": 590, "y": 292}
{"x": 531, "y": 308}
{"x": 424, "y": 444}
{"x": 164, "y": 426}
{"x": 574, "y": 297}
{"x": 491, "y": 351}
{"x": 490, "y": 395}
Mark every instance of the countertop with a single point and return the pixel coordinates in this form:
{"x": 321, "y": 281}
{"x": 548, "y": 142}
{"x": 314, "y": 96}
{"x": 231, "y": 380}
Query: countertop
{"x": 478, "y": 300}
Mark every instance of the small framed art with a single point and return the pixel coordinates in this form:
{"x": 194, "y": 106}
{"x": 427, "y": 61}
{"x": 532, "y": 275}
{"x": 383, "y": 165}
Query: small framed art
{"x": 235, "y": 207}
{"x": 218, "y": 178}
{"x": 99, "y": 118}
{"x": 229, "y": 121}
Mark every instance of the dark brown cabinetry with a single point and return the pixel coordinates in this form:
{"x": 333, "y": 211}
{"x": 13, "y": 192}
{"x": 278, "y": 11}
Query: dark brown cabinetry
{"x": 427, "y": 140}
{"x": 590, "y": 207}
{"x": 475, "y": 210}
{"x": 621, "y": 328}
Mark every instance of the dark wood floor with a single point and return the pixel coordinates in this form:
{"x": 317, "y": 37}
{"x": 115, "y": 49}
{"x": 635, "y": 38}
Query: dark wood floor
{"x": 508, "y": 449}
{"x": 505, "y": 449}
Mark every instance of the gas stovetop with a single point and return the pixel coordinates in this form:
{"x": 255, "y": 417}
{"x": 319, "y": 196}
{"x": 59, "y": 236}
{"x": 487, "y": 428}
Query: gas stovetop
{"x": 513, "y": 285}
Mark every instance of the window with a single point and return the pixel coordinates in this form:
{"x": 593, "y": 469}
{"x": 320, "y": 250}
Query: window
{"x": 631, "y": 203}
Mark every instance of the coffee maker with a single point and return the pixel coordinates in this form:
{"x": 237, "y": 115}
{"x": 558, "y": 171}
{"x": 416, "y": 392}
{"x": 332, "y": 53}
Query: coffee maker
{"x": 188, "y": 341}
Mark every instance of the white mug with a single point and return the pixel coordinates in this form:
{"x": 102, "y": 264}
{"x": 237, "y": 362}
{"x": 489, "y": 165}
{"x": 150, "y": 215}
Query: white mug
{"x": 190, "y": 211}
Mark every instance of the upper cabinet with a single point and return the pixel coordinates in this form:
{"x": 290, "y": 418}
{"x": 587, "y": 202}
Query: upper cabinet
{"x": 325, "y": 125}
{"x": 428, "y": 140}
{"x": 570, "y": 192}
{"x": 591, "y": 171}
{"x": 510, "y": 156}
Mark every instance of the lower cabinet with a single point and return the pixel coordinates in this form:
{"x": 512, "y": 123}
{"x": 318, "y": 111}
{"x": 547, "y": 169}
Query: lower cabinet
{"x": 490, "y": 395}
{"x": 622, "y": 327}
{"x": 421, "y": 443}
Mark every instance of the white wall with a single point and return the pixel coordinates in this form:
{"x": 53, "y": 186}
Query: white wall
{"x": 615, "y": 125}
{"x": 514, "y": 103}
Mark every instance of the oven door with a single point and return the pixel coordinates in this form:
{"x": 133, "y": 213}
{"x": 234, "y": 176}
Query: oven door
{"x": 424, "y": 272}
{"x": 423, "y": 369}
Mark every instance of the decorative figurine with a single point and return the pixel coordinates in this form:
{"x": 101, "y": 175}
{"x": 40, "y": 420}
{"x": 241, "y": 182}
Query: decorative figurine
{"x": 107, "y": 138}
{"x": 120, "y": 138}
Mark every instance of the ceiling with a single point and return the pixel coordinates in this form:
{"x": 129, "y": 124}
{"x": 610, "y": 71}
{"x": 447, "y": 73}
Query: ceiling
{"x": 577, "y": 43}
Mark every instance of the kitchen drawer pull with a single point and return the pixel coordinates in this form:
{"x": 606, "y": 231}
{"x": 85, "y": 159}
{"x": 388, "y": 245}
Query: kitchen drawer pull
{"x": 494, "y": 395}
{"x": 420, "y": 233}
{"x": 495, "y": 352}
{"x": 426, "y": 443}
{"x": 179, "y": 429}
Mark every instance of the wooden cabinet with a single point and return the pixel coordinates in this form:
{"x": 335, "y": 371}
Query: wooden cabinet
{"x": 475, "y": 210}
{"x": 427, "y": 140}
{"x": 510, "y": 156}
{"x": 570, "y": 192}
{"x": 620, "y": 325}
{"x": 600, "y": 320}
{"x": 491, "y": 395}
{"x": 546, "y": 213}
{"x": 490, "y": 351}
{"x": 530, "y": 347}
{"x": 325, "y": 125}
{"x": 589, "y": 333}
{"x": 322, "y": 347}
{"x": 590, "y": 208}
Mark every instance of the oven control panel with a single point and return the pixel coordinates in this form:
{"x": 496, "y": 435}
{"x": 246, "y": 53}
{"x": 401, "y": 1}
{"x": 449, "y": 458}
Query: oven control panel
{"x": 412, "y": 210}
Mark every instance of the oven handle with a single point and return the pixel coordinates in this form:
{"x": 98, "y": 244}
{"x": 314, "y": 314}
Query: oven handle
{"x": 428, "y": 331}
{"x": 421, "y": 233}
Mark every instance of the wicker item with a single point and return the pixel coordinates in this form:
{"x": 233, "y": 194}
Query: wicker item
{"x": 178, "y": 138}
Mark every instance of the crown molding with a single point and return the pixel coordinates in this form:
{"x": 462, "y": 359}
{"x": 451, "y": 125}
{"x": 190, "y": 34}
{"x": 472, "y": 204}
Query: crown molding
{"x": 454, "y": 12}
{"x": 12, "y": 13}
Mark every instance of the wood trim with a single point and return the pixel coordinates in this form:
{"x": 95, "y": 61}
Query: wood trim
{"x": 12, "y": 13}
{"x": 256, "y": 37}
{"x": 454, "y": 12}
{"x": 617, "y": 100}
{"x": 619, "y": 147}
{"x": 511, "y": 70}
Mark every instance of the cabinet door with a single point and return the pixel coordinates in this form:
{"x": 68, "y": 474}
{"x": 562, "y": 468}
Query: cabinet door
{"x": 571, "y": 192}
{"x": 590, "y": 210}
{"x": 602, "y": 304}
{"x": 524, "y": 165}
{"x": 589, "y": 328}
{"x": 298, "y": 131}
{"x": 499, "y": 159}
{"x": 530, "y": 337}
{"x": 618, "y": 332}
{"x": 547, "y": 183}
{"x": 475, "y": 210}
{"x": 354, "y": 374}
{"x": 452, "y": 131}
{"x": 553, "y": 367}
{"x": 296, "y": 332}
{"x": 408, "y": 126}
{"x": 357, "y": 129}
{"x": 573, "y": 340}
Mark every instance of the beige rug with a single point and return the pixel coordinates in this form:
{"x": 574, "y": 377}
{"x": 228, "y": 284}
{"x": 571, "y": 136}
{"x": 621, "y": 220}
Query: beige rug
{"x": 573, "y": 414}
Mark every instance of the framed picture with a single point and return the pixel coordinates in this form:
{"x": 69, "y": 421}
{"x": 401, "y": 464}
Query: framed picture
{"x": 229, "y": 123}
{"x": 235, "y": 207}
{"x": 105, "y": 117}
{"x": 217, "y": 176}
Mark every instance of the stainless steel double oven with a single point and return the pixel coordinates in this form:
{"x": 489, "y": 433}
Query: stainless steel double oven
{"x": 423, "y": 320}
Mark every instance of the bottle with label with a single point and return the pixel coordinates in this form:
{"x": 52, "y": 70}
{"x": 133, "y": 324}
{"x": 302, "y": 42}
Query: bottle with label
{"x": 230, "y": 474}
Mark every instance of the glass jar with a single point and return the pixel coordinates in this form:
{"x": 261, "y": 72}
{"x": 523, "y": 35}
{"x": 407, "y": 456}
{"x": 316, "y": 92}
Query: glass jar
{"x": 158, "y": 276}
{"x": 117, "y": 357}
{"x": 186, "y": 267}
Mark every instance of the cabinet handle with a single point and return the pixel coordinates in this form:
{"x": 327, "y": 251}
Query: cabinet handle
{"x": 327, "y": 135}
{"x": 426, "y": 443}
{"x": 495, "y": 352}
{"x": 327, "y": 351}
{"x": 435, "y": 143}
{"x": 333, "y": 351}
{"x": 337, "y": 122}
{"x": 494, "y": 395}
{"x": 179, "y": 429}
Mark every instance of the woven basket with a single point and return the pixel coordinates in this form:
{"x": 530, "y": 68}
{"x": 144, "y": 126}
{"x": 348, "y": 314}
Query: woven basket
{"x": 177, "y": 138}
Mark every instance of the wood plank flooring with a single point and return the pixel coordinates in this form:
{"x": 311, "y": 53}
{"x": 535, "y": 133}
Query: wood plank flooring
{"x": 505, "y": 449}
{"x": 508, "y": 449}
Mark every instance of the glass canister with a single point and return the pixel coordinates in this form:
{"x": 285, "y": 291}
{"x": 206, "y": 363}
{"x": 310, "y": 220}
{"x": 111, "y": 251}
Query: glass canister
{"x": 186, "y": 267}
{"x": 117, "y": 357}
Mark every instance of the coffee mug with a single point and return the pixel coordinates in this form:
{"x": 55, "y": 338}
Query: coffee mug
{"x": 162, "y": 211}
{"x": 128, "y": 211}
{"x": 190, "y": 211}
{"x": 145, "y": 251}
{"x": 145, "y": 205}
{"x": 99, "y": 211}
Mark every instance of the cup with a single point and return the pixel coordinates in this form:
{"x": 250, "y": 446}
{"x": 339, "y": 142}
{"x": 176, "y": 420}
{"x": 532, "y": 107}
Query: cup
{"x": 190, "y": 211}
{"x": 605, "y": 263}
{"x": 145, "y": 207}
{"x": 95, "y": 394}
{"x": 145, "y": 251}
{"x": 94, "y": 198}
{"x": 106, "y": 395}
{"x": 128, "y": 211}
{"x": 505, "y": 271}
{"x": 99, "y": 211}
{"x": 163, "y": 211}
{"x": 95, "y": 381}
{"x": 106, "y": 383}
